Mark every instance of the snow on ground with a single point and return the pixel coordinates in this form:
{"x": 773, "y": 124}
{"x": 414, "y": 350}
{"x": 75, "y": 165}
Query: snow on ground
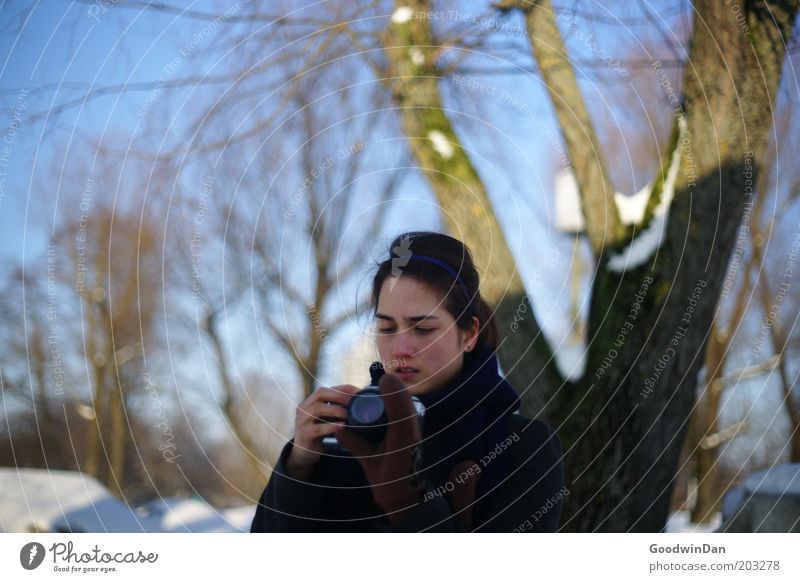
{"x": 680, "y": 522}
{"x": 49, "y": 500}
{"x": 181, "y": 515}
{"x": 71, "y": 501}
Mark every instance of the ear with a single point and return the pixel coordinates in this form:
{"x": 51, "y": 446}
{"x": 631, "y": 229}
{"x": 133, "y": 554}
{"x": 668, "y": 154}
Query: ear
{"x": 471, "y": 337}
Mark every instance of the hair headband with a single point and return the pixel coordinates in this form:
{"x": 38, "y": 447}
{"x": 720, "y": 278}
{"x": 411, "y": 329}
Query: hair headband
{"x": 449, "y": 269}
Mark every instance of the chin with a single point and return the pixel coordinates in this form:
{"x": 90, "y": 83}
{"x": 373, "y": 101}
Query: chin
{"x": 415, "y": 388}
{"x": 423, "y": 387}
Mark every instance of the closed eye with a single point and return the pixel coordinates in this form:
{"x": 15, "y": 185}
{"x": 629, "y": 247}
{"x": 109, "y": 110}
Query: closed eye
{"x": 419, "y": 330}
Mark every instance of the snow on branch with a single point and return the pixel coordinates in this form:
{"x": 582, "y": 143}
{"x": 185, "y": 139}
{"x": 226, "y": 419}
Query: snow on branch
{"x": 645, "y": 245}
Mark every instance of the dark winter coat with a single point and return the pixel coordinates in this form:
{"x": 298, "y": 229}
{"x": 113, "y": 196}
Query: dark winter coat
{"x": 528, "y": 494}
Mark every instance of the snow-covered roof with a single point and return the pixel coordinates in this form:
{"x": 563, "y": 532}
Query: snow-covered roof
{"x": 181, "y": 515}
{"x": 50, "y": 500}
{"x": 779, "y": 480}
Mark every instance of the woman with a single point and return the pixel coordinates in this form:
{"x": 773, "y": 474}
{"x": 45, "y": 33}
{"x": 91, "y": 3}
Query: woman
{"x": 473, "y": 465}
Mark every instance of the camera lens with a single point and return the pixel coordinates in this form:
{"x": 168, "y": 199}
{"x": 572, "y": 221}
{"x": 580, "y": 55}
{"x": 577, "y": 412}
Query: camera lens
{"x": 367, "y": 408}
{"x": 367, "y": 415}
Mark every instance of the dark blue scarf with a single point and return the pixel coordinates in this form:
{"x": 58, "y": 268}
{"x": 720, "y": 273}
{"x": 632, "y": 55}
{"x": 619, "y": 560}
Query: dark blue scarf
{"x": 467, "y": 419}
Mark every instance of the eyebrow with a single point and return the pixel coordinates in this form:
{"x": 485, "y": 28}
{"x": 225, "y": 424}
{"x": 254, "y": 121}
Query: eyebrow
{"x": 412, "y": 319}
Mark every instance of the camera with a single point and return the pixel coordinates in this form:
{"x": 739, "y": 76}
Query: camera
{"x": 366, "y": 415}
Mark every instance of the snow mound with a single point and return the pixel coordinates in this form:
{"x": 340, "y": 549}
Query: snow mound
{"x": 69, "y": 501}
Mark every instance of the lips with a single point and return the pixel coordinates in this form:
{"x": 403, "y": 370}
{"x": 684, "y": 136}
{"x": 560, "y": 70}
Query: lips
{"x": 406, "y": 374}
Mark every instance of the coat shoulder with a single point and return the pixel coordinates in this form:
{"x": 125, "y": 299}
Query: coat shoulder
{"x": 533, "y": 431}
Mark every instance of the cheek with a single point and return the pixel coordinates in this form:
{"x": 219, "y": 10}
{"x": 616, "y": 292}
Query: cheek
{"x": 444, "y": 342}
{"x": 383, "y": 346}
{"x": 442, "y": 348}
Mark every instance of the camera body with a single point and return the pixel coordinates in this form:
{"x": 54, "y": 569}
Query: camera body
{"x": 366, "y": 415}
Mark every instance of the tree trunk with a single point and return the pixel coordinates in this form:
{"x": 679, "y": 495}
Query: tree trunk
{"x": 229, "y": 400}
{"x": 603, "y": 225}
{"x": 705, "y": 456}
{"x": 118, "y": 439}
{"x": 44, "y": 414}
{"x": 93, "y": 460}
{"x": 627, "y": 426}
{"x": 705, "y": 439}
{"x": 466, "y": 209}
{"x": 624, "y": 423}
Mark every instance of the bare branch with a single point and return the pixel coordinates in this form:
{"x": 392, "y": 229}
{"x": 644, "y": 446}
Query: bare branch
{"x": 603, "y": 223}
{"x": 714, "y": 440}
{"x": 140, "y": 5}
{"x": 750, "y": 372}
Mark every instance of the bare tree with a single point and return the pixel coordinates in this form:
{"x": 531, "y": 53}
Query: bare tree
{"x": 624, "y": 428}
{"x": 273, "y": 237}
{"x": 656, "y": 285}
{"x": 106, "y": 245}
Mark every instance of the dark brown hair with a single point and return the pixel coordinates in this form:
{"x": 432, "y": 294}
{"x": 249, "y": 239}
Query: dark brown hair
{"x": 453, "y": 253}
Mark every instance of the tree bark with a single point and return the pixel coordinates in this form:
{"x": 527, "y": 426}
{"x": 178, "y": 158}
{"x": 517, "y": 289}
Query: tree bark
{"x": 627, "y": 427}
{"x": 603, "y": 226}
{"x": 779, "y": 341}
{"x": 624, "y": 423}
{"x": 705, "y": 457}
{"x": 229, "y": 398}
{"x": 118, "y": 439}
{"x": 93, "y": 460}
{"x": 467, "y": 211}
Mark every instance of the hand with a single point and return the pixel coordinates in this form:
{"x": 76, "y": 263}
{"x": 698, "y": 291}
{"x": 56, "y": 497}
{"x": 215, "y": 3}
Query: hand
{"x": 311, "y": 428}
{"x": 392, "y": 467}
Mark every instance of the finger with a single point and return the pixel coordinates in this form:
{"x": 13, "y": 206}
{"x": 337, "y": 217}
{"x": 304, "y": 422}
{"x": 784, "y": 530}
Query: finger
{"x": 396, "y": 397}
{"x": 324, "y": 429}
{"x": 314, "y": 415}
{"x": 346, "y": 389}
{"x": 326, "y": 412}
{"x": 339, "y": 394}
{"x": 402, "y": 418}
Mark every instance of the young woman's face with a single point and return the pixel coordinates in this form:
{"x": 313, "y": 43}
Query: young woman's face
{"x": 417, "y": 338}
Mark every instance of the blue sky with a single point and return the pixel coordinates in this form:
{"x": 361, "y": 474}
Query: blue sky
{"x": 58, "y": 43}
{"x": 55, "y": 44}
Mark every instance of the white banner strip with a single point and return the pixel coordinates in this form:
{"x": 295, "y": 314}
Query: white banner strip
{"x": 399, "y": 557}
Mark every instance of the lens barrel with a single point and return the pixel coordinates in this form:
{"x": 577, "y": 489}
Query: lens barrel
{"x": 366, "y": 414}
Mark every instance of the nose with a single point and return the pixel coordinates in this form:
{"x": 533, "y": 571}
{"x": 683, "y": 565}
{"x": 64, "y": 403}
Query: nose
{"x": 402, "y": 345}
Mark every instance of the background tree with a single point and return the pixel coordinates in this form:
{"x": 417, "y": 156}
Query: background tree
{"x": 655, "y": 281}
{"x": 610, "y": 428}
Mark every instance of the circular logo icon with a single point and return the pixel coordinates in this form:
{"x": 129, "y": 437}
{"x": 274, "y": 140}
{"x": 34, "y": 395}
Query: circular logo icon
{"x": 31, "y": 555}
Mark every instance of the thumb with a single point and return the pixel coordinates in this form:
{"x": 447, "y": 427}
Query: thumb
{"x": 355, "y": 444}
{"x": 402, "y": 418}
